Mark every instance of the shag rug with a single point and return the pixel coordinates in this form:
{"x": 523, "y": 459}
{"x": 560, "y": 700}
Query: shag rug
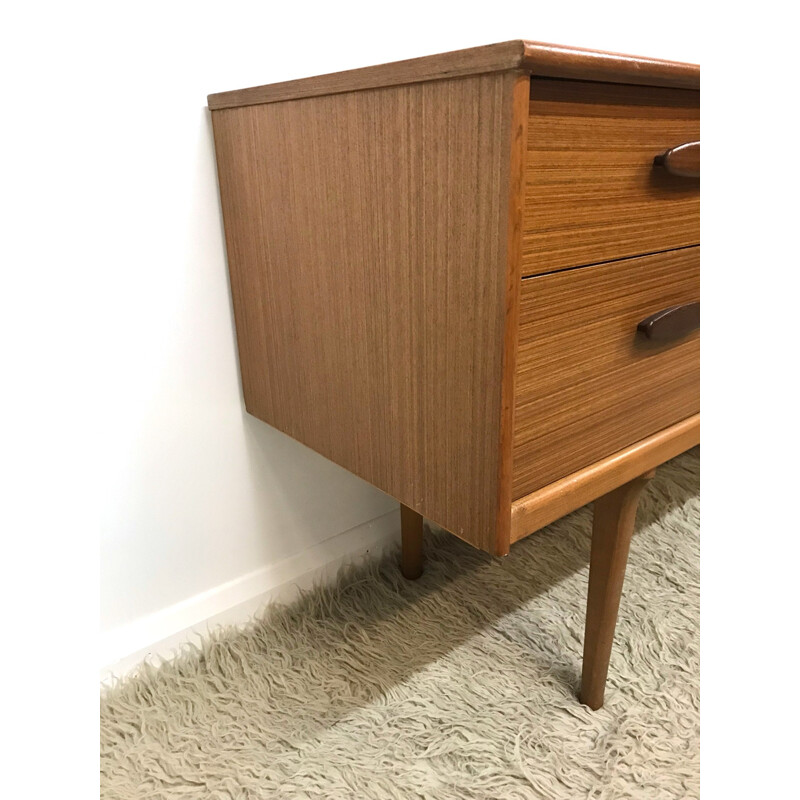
{"x": 459, "y": 685}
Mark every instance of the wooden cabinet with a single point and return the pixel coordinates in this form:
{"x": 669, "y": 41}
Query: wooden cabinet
{"x": 438, "y": 268}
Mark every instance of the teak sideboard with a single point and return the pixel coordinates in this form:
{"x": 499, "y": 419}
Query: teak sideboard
{"x": 472, "y": 280}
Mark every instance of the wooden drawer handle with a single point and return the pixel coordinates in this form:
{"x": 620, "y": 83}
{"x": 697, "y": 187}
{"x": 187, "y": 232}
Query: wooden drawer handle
{"x": 683, "y": 160}
{"x": 671, "y": 323}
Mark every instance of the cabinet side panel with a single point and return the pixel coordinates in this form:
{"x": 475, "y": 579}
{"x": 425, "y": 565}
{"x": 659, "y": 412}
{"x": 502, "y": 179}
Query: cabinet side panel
{"x": 367, "y": 248}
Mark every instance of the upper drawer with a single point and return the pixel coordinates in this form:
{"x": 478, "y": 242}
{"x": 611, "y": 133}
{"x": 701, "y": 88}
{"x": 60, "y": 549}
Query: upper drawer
{"x": 592, "y": 193}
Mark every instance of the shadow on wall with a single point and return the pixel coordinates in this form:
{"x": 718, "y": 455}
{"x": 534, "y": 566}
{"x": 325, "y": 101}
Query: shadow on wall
{"x": 308, "y": 497}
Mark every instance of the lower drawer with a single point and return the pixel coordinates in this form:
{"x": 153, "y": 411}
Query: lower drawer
{"x": 587, "y": 383}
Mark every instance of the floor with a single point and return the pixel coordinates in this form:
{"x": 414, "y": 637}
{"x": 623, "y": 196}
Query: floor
{"x": 459, "y": 685}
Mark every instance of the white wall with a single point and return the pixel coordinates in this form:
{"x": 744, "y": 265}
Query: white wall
{"x": 196, "y": 495}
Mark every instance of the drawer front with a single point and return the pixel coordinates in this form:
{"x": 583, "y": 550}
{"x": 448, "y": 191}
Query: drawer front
{"x": 588, "y": 384}
{"x": 592, "y": 192}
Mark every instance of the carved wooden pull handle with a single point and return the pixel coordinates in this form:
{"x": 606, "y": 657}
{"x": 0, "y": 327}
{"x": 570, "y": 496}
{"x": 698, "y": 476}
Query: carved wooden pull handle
{"x": 671, "y": 323}
{"x": 683, "y": 160}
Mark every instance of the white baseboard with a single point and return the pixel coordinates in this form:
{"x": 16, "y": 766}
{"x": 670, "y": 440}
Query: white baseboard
{"x": 159, "y": 635}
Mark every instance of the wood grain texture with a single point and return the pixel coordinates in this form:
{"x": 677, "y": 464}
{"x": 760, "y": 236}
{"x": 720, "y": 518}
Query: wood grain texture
{"x": 592, "y": 192}
{"x": 612, "y": 531}
{"x": 540, "y": 508}
{"x": 538, "y": 58}
{"x": 518, "y": 148}
{"x": 589, "y": 384}
{"x": 367, "y": 246}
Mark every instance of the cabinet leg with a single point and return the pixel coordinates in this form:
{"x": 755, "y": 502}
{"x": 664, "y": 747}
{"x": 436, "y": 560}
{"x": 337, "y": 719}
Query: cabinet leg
{"x": 612, "y": 530}
{"x": 411, "y": 547}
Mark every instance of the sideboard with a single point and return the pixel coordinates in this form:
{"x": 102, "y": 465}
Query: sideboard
{"x": 472, "y": 279}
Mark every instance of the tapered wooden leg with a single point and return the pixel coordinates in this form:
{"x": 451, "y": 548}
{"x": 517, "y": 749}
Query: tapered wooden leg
{"x": 411, "y": 548}
{"x": 614, "y": 518}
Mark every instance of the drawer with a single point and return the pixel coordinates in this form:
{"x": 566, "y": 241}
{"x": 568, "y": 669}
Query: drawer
{"x": 592, "y": 193}
{"x": 587, "y": 383}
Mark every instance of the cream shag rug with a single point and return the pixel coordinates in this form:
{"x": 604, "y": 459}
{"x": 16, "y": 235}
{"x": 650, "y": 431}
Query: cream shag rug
{"x": 460, "y": 685}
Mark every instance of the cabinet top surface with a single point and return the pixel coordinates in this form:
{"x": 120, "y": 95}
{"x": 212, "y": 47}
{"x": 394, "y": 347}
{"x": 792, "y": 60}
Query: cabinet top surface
{"x": 535, "y": 58}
